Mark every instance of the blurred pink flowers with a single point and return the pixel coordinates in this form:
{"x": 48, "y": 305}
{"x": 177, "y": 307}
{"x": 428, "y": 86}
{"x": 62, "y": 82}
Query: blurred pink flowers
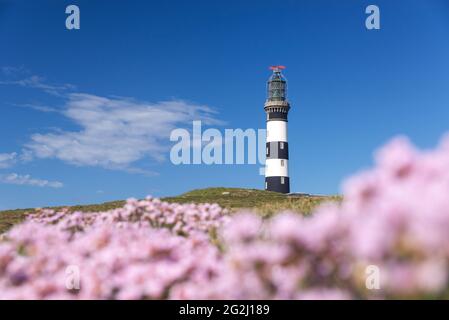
{"x": 394, "y": 217}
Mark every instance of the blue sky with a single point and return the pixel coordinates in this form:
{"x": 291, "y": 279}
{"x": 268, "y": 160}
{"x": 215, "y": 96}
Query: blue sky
{"x": 75, "y": 124}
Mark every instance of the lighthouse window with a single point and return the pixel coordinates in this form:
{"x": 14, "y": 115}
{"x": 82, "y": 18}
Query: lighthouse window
{"x": 282, "y": 145}
{"x": 266, "y": 185}
{"x": 282, "y": 163}
{"x": 268, "y": 151}
{"x": 282, "y": 180}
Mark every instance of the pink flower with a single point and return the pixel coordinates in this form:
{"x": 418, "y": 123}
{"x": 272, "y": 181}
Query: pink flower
{"x": 395, "y": 217}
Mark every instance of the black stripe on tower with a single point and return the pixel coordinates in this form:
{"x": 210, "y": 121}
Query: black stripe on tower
{"x": 277, "y": 116}
{"x": 278, "y": 184}
{"x": 277, "y": 150}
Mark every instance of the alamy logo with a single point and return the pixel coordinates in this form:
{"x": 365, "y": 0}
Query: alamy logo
{"x": 372, "y": 281}
{"x": 372, "y": 22}
{"x": 73, "y": 20}
{"x": 236, "y": 146}
{"x": 72, "y": 280}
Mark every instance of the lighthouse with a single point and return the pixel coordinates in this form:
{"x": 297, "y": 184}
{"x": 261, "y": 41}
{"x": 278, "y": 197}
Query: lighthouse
{"x": 276, "y": 108}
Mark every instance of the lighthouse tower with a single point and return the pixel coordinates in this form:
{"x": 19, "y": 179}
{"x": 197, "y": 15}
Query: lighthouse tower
{"x": 276, "y": 108}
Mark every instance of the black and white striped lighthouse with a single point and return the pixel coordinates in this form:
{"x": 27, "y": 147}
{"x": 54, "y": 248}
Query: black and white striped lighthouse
{"x": 276, "y": 108}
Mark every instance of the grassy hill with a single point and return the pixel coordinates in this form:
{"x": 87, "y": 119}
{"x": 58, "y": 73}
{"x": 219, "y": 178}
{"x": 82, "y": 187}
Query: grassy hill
{"x": 264, "y": 202}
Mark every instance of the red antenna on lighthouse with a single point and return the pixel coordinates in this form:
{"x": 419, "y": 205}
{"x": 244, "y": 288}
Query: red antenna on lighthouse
{"x": 277, "y": 68}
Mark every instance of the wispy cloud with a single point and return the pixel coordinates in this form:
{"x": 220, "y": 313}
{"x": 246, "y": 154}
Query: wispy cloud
{"x": 114, "y": 132}
{"x": 37, "y": 107}
{"x": 14, "y": 71}
{"x": 14, "y": 178}
{"x": 37, "y": 82}
{"x": 7, "y": 160}
{"x": 20, "y": 76}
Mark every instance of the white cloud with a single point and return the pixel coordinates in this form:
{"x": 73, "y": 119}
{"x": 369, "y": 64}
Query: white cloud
{"x": 37, "y": 107}
{"x": 14, "y": 178}
{"x": 115, "y": 132}
{"x": 37, "y": 82}
{"x": 14, "y": 71}
{"x": 7, "y": 160}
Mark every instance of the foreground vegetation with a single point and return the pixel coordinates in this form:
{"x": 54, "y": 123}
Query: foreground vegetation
{"x": 387, "y": 239}
{"x": 263, "y": 202}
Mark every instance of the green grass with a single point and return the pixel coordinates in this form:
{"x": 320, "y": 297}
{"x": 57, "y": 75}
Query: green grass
{"x": 263, "y": 202}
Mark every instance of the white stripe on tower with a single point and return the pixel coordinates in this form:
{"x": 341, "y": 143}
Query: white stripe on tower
{"x": 277, "y": 107}
{"x": 276, "y": 131}
{"x": 275, "y": 168}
